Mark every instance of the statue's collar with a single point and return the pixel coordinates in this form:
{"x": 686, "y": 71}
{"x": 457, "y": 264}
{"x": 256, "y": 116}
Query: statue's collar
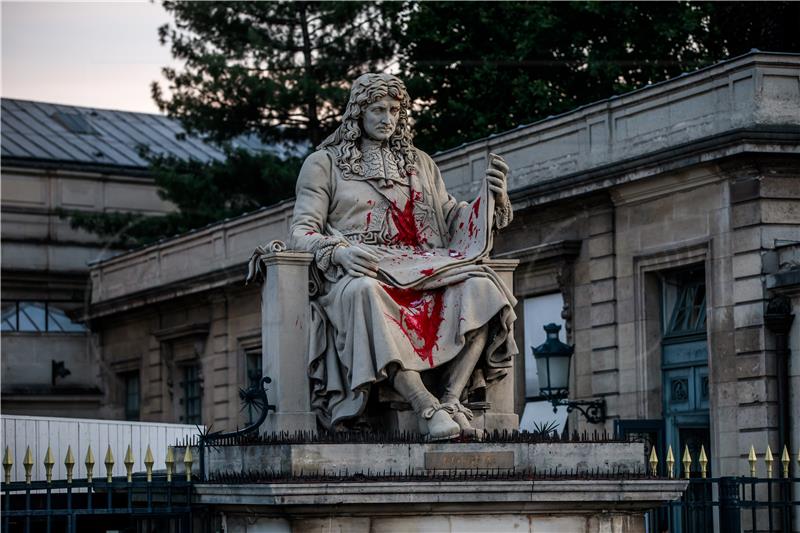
{"x": 380, "y": 164}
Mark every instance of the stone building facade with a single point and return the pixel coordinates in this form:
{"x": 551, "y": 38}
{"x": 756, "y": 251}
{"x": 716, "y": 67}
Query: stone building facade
{"x": 648, "y": 224}
{"x": 58, "y": 157}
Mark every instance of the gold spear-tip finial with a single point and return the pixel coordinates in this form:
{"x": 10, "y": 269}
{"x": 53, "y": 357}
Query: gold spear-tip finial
{"x": 785, "y": 461}
{"x": 27, "y": 462}
{"x": 187, "y": 462}
{"x": 769, "y": 460}
{"x": 687, "y": 462}
{"x": 89, "y": 464}
{"x": 49, "y": 461}
{"x": 148, "y": 464}
{"x": 8, "y": 464}
{"x": 69, "y": 463}
{"x": 751, "y": 458}
{"x": 653, "y": 461}
{"x": 109, "y": 462}
{"x": 170, "y": 463}
{"x": 670, "y": 462}
{"x": 703, "y": 460}
{"x": 129, "y": 463}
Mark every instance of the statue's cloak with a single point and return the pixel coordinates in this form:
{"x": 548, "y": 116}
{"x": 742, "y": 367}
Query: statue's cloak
{"x": 431, "y": 290}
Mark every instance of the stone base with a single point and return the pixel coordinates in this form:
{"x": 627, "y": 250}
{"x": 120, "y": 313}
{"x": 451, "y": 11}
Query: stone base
{"x": 449, "y": 523}
{"x": 290, "y": 422}
{"x": 426, "y": 458}
{"x": 581, "y": 506}
{"x": 431, "y": 486}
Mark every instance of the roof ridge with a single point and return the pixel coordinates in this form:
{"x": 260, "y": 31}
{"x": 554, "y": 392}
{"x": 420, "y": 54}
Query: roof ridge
{"x": 88, "y": 108}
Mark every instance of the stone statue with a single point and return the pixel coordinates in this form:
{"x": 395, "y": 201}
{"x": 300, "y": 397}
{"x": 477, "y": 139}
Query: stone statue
{"x": 403, "y": 288}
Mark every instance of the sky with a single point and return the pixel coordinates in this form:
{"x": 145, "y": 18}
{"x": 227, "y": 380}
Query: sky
{"x": 94, "y": 54}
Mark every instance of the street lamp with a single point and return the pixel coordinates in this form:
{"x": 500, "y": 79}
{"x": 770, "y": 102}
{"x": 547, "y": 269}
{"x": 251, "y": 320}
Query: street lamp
{"x": 552, "y": 362}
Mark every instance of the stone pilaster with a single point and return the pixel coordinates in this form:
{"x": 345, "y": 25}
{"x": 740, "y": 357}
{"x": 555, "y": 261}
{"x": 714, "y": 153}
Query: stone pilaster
{"x": 284, "y": 327}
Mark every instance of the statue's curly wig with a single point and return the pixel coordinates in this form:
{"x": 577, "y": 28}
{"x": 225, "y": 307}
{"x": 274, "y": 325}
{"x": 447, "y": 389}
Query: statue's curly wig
{"x": 344, "y": 142}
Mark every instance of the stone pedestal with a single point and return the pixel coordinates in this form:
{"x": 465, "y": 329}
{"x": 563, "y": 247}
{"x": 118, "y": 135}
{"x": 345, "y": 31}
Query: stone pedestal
{"x": 500, "y": 395}
{"x": 358, "y": 487}
{"x": 496, "y": 506}
{"x": 284, "y": 343}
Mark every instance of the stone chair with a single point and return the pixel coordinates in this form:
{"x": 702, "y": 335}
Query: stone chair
{"x": 288, "y": 285}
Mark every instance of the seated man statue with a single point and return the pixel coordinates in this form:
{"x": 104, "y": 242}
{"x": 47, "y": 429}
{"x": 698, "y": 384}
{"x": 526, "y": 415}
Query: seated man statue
{"x": 403, "y": 291}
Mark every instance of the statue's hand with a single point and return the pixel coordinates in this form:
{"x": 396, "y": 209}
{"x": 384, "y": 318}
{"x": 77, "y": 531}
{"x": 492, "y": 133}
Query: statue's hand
{"x": 356, "y": 261}
{"x": 496, "y": 177}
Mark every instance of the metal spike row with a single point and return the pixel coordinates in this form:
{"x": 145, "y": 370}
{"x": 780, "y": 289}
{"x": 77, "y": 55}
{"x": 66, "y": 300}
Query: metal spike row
{"x": 129, "y": 462}
{"x": 27, "y": 462}
{"x": 109, "y": 462}
{"x": 686, "y": 460}
{"x": 169, "y": 461}
{"x": 187, "y": 463}
{"x": 769, "y": 460}
{"x": 653, "y": 462}
{"x": 69, "y": 463}
{"x": 148, "y": 463}
{"x": 8, "y": 464}
{"x": 670, "y": 463}
{"x": 49, "y": 462}
{"x": 89, "y": 464}
{"x": 703, "y": 460}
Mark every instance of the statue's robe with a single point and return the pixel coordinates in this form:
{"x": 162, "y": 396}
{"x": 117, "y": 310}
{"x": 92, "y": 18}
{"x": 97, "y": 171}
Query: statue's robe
{"x": 360, "y": 324}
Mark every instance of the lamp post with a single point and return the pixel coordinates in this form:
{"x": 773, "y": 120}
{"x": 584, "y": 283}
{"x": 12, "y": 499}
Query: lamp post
{"x": 552, "y": 362}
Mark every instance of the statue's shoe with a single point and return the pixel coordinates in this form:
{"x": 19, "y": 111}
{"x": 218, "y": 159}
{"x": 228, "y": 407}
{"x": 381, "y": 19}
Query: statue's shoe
{"x": 441, "y": 427}
{"x": 461, "y": 416}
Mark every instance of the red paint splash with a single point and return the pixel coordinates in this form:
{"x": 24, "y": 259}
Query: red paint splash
{"x": 421, "y": 315}
{"x": 369, "y": 218}
{"x": 426, "y": 271}
{"x": 403, "y": 219}
{"x": 311, "y": 232}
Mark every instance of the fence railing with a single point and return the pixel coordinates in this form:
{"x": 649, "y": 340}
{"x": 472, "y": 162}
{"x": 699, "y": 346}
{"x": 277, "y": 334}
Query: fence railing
{"x": 730, "y": 503}
{"x": 147, "y": 502}
{"x": 40, "y": 432}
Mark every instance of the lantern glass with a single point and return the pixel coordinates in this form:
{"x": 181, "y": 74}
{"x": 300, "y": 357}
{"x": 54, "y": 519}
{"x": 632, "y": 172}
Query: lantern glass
{"x": 553, "y": 374}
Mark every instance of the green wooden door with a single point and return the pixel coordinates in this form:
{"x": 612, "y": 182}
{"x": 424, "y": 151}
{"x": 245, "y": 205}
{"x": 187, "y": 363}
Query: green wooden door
{"x": 685, "y": 369}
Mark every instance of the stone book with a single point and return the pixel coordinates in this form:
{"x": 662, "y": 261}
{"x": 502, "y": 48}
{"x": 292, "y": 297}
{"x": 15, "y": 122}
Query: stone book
{"x": 471, "y": 240}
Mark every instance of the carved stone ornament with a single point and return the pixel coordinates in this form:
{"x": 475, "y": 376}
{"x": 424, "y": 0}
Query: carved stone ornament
{"x": 255, "y": 267}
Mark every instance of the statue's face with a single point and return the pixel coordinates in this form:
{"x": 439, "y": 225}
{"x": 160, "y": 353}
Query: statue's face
{"x": 380, "y": 118}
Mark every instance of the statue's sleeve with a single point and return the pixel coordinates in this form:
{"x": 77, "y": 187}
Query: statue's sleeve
{"x": 309, "y": 221}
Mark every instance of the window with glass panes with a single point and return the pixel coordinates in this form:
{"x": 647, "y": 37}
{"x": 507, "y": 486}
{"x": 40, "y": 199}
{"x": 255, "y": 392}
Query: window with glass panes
{"x": 253, "y": 376}
{"x": 41, "y": 317}
{"x": 192, "y": 394}
{"x": 132, "y": 395}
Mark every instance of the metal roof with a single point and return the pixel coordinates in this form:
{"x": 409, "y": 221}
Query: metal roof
{"x": 44, "y": 133}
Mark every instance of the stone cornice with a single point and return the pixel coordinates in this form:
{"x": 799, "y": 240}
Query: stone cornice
{"x": 782, "y": 141}
{"x": 503, "y": 496}
{"x": 565, "y": 250}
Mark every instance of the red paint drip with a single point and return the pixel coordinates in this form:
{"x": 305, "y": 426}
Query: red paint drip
{"x": 403, "y": 219}
{"x": 421, "y": 315}
{"x": 311, "y": 232}
{"x": 426, "y": 271}
{"x": 369, "y": 218}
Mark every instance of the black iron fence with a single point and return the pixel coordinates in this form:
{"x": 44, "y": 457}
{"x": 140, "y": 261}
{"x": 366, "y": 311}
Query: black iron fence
{"x": 94, "y": 505}
{"x": 731, "y": 504}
